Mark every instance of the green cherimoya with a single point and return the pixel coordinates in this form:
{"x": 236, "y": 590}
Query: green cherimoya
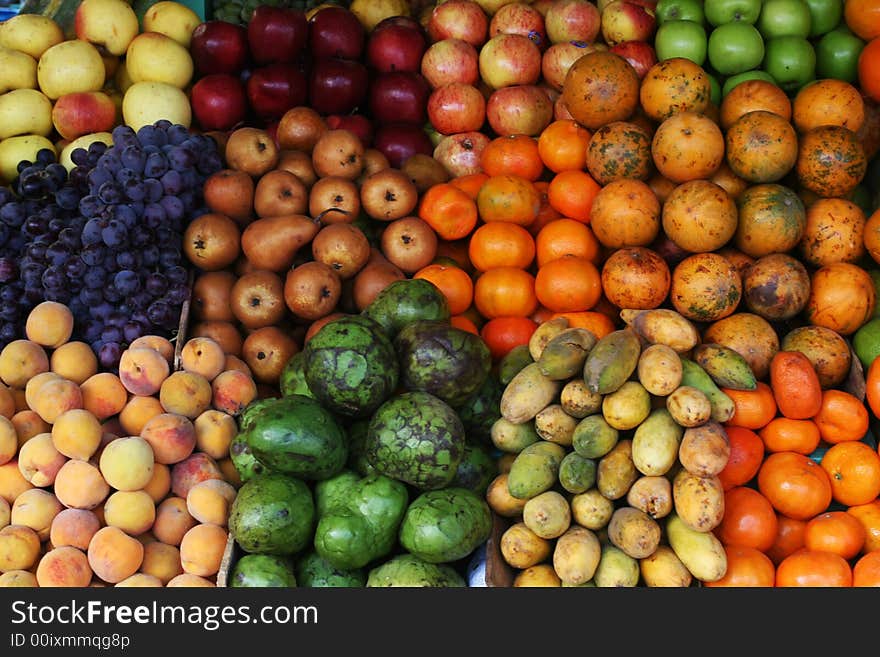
{"x": 406, "y": 301}
{"x": 262, "y": 571}
{"x": 313, "y": 571}
{"x": 407, "y": 570}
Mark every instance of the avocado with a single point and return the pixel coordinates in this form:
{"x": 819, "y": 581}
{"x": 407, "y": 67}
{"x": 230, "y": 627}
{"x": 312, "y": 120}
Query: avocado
{"x": 262, "y": 570}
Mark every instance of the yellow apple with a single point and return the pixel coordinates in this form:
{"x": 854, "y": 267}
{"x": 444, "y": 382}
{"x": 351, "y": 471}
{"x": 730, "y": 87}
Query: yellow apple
{"x": 147, "y": 102}
{"x": 70, "y": 66}
{"x": 371, "y": 12}
{"x": 18, "y": 70}
{"x": 16, "y": 149}
{"x": 109, "y": 24}
{"x": 121, "y": 79}
{"x": 25, "y": 112}
{"x": 154, "y": 57}
{"x": 30, "y": 33}
{"x": 82, "y": 142}
{"x": 173, "y": 19}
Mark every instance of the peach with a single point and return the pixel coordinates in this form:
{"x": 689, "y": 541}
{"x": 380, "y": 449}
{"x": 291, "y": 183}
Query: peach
{"x": 31, "y": 387}
{"x": 236, "y": 363}
{"x": 27, "y": 425}
{"x": 203, "y": 355}
{"x": 172, "y": 437}
{"x": 5, "y": 512}
{"x": 202, "y": 548}
{"x": 232, "y": 391}
{"x": 157, "y": 342}
{"x": 185, "y": 393}
{"x": 142, "y": 370}
{"x": 141, "y": 580}
{"x": 18, "y": 579}
{"x": 230, "y": 472}
{"x": 114, "y": 555}
{"x": 12, "y": 482}
{"x": 74, "y": 527}
{"x": 193, "y": 469}
{"x": 209, "y": 501}
{"x": 77, "y": 433}
{"x": 132, "y": 511}
{"x": 49, "y": 324}
{"x": 39, "y": 460}
{"x": 137, "y": 412}
{"x": 146, "y": 538}
{"x": 75, "y": 361}
{"x": 7, "y": 402}
{"x": 19, "y": 548}
{"x": 8, "y": 440}
{"x": 172, "y": 520}
{"x": 161, "y": 560}
{"x": 106, "y": 439}
{"x": 64, "y": 566}
{"x": 160, "y": 483}
{"x": 103, "y": 395}
{"x": 55, "y": 397}
{"x": 189, "y": 580}
{"x": 80, "y": 485}
{"x": 20, "y": 400}
{"x": 36, "y": 508}
{"x": 113, "y": 426}
{"x": 21, "y": 360}
{"x": 127, "y": 463}
{"x": 214, "y": 433}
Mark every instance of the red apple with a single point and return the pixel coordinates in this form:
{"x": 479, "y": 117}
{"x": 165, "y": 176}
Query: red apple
{"x": 458, "y": 19}
{"x": 356, "y": 123}
{"x": 396, "y": 47}
{"x": 520, "y": 18}
{"x": 274, "y": 89}
{"x": 219, "y": 101}
{"x": 399, "y": 141}
{"x": 461, "y": 152}
{"x": 640, "y": 54}
{"x": 398, "y": 96}
{"x": 522, "y": 109}
{"x": 450, "y": 60}
{"x": 623, "y": 20}
{"x": 456, "y": 107}
{"x": 509, "y": 59}
{"x": 219, "y": 47}
{"x": 336, "y": 32}
{"x": 572, "y": 20}
{"x": 277, "y": 34}
{"x": 337, "y": 85}
{"x": 559, "y": 57}
{"x": 402, "y": 20}
{"x": 83, "y": 112}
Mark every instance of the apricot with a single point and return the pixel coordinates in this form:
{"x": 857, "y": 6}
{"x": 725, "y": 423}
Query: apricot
{"x": 39, "y": 460}
{"x": 20, "y": 361}
{"x": 77, "y": 433}
{"x": 49, "y": 324}
{"x": 5, "y": 512}
{"x": 232, "y": 391}
{"x": 193, "y": 469}
{"x": 20, "y": 401}
{"x": 230, "y": 472}
{"x": 18, "y": 579}
{"x": 223, "y": 332}
{"x": 127, "y": 463}
{"x": 209, "y": 501}
{"x": 172, "y": 520}
{"x": 104, "y": 395}
{"x": 8, "y": 440}
{"x": 160, "y": 483}
{"x": 114, "y": 555}
{"x": 186, "y": 393}
{"x": 137, "y": 412}
{"x": 31, "y": 387}
{"x": 64, "y": 566}
{"x": 55, "y": 397}
{"x": 142, "y": 370}
{"x": 203, "y": 355}
{"x": 75, "y": 361}
{"x": 162, "y": 561}
{"x": 12, "y": 482}
{"x": 214, "y": 433}
{"x": 74, "y": 527}
{"x": 132, "y": 511}
{"x": 36, "y": 508}
{"x": 7, "y": 402}
{"x": 189, "y": 580}
{"x": 172, "y": 437}
{"x": 27, "y": 425}
{"x": 140, "y": 580}
{"x": 159, "y": 343}
{"x": 80, "y": 485}
{"x": 202, "y": 548}
{"x": 236, "y": 363}
{"x": 19, "y": 548}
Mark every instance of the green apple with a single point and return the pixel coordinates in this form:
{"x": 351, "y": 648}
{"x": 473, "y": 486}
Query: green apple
{"x": 784, "y": 18}
{"x": 18, "y": 70}
{"x": 735, "y": 47}
{"x": 70, "y": 66}
{"x": 681, "y": 39}
{"x": 825, "y": 15}
{"x": 15, "y": 149}
{"x": 837, "y": 55}
{"x": 733, "y": 80}
{"x": 679, "y": 10}
{"x": 791, "y": 61}
{"x": 719, "y": 12}
{"x": 715, "y": 86}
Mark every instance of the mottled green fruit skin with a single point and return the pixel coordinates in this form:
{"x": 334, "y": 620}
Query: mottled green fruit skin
{"x": 273, "y": 514}
{"x": 476, "y": 470}
{"x": 576, "y": 473}
{"x": 262, "y": 571}
{"x": 406, "y": 301}
{"x": 408, "y": 571}
{"x": 296, "y": 435}
{"x": 350, "y": 366}
{"x": 512, "y": 362}
{"x": 312, "y": 571}
{"x": 482, "y": 409}
{"x": 535, "y": 469}
{"x": 252, "y": 412}
{"x": 442, "y": 359}
{"x": 358, "y": 518}
{"x": 416, "y": 438}
{"x": 293, "y": 377}
{"x": 246, "y": 464}
{"x": 445, "y": 525}
{"x": 357, "y": 441}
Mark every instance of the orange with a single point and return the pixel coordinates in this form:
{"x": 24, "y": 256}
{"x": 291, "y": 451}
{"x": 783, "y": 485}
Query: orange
{"x": 571, "y": 193}
{"x": 795, "y": 485}
{"x": 568, "y": 284}
{"x": 454, "y": 282}
{"x": 811, "y": 568}
{"x": 872, "y": 387}
{"x": 505, "y": 292}
{"x": 563, "y": 145}
{"x": 869, "y": 69}
{"x": 508, "y": 197}
{"x": 465, "y": 323}
{"x": 842, "y": 416}
{"x": 869, "y": 515}
{"x": 752, "y": 408}
{"x": 782, "y": 434}
{"x": 516, "y": 154}
{"x": 746, "y": 456}
{"x": 853, "y": 469}
{"x": 470, "y": 183}
{"x": 789, "y": 537}
{"x": 563, "y": 237}
{"x": 746, "y": 567}
{"x": 546, "y": 213}
{"x": 866, "y": 571}
{"x": 837, "y": 532}
{"x": 448, "y": 210}
{"x": 749, "y": 519}
{"x": 796, "y": 385}
{"x": 501, "y": 334}
{"x": 863, "y": 18}
{"x": 501, "y": 244}
{"x": 599, "y": 323}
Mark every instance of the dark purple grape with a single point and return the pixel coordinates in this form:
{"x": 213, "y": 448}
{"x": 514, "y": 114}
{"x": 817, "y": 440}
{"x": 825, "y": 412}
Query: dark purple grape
{"x": 9, "y": 295}
{"x": 156, "y": 284}
{"x": 110, "y": 161}
{"x": 177, "y": 134}
{"x": 95, "y": 278}
{"x": 140, "y": 300}
{"x": 125, "y": 174}
{"x": 191, "y": 178}
{"x": 156, "y": 165}
{"x": 67, "y": 198}
{"x": 123, "y": 136}
{"x": 112, "y": 295}
{"x": 90, "y": 206}
{"x": 115, "y": 235}
{"x": 13, "y": 214}
{"x": 140, "y": 236}
{"x": 62, "y": 295}
{"x": 8, "y": 270}
{"x": 132, "y": 331}
{"x": 126, "y": 282}
{"x": 32, "y": 273}
{"x": 110, "y": 261}
{"x": 154, "y": 215}
{"x": 79, "y": 156}
{"x": 189, "y": 200}
{"x": 117, "y": 318}
{"x": 172, "y": 182}
{"x": 10, "y": 312}
{"x": 97, "y": 148}
{"x": 127, "y": 260}
{"x": 177, "y": 293}
{"x": 174, "y": 209}
{"x": 133, "y": 157}
{"x": 109, "y": 355}
{"x": 182, "y": 158}
{"x": 177, "y": 274}
{"x": 75, "y": 267}
{"x": 58, "y": 173}
{"x": 153, "y": 190}
{"x": 56, "y": 225}
{"x": 150, "y": 255}
{"x": 36, "y": 252}
{"x": 46, "y": 156}
{"x": 125, "y": 215}
{"x": 5, "y": 232}
{"x": 53, "y": 278}
{"x": 9, "y": 331}
{"x": 170, "y": 258}
{"x": 91, "y": 296}
{"x": 110, "y": 192}
{"x": 93, "y": 254}
{"x": 35, "y": 226}
{"x": 98, "y": 176}
{"x": 57, "y": 254}
{"x": 134, "y": 190}
{"x": 91, "y": 232}
{"x": 209, "y": 162}
{"x": 101, "y": 311}
{"x": 16, "y": 242}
